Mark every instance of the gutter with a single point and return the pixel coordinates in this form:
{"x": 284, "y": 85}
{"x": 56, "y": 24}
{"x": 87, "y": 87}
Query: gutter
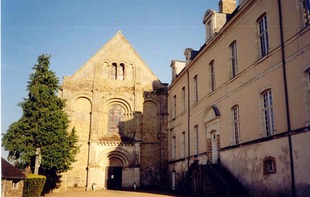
{"x": 188, "y": 120}
{"x": 288, "y": 119}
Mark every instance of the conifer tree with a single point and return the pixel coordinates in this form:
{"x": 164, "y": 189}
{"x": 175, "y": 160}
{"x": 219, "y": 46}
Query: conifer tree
{"x": 43, "y": 125}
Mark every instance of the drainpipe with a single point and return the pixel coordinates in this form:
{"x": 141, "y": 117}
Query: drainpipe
{"x": 188, "y": 120}
{"x": 288, "y": 119}
{"x": 90, "y": 131}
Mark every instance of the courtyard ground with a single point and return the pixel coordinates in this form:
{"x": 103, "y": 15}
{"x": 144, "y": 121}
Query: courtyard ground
{"x": 113, "y": 193}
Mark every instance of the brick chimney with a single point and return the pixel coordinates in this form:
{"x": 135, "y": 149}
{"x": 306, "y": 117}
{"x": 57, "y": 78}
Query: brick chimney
{"x": 227, "y": 6}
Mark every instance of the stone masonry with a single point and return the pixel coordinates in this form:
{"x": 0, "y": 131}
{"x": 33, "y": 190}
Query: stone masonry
{"x": 119, "y": 110}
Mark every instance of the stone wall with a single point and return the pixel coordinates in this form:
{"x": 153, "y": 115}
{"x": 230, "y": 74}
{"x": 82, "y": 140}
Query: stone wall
{"x": 7, "y": 187}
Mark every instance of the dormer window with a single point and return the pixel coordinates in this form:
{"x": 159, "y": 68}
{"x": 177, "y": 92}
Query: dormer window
{"x": 188, "y": 53}
{"x": 177, "y": 67}
{"x": 213, "y": 22}
{"x": 209, "y": 30}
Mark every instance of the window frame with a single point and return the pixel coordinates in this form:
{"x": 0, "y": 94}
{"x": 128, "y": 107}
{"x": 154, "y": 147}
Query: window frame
{"x": 195, "y": 83}
{"x": 263, "y": 37}
{"x": 235, "y": 124}
{"x": 174, "y": 107}
{"x": 269, "y": 165}
{"x": 183, "y": 98}
{"x": 268, "y": 113}
{"x": 212, "y": 75}
{"x": 183, "y": 145}
{"x": 196, "y": 133}
{"x": 173, "y": 147}
{"x": 305, "y": 12}
{"x": 233, "y": 58}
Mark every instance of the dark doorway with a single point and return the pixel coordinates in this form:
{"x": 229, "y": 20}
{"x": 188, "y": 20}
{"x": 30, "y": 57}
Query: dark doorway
{"x": 114, "y": 180}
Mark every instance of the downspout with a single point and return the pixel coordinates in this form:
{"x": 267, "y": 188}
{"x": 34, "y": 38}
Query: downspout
{"x": 188, "y": 120}
{"x": 90, "y": 131}
{"x": 288, "y": 119}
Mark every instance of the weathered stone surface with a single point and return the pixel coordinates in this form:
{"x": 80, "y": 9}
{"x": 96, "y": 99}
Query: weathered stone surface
{"x": 119, "y": 110}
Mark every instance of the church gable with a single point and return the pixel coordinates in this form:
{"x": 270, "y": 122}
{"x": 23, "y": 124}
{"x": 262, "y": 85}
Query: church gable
{"x": 118, "y": 61}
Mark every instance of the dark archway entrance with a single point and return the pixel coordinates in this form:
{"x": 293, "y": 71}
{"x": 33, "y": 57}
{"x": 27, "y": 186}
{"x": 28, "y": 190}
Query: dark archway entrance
{"x": 114, "y": 181}
{"x": 114, "y": 178}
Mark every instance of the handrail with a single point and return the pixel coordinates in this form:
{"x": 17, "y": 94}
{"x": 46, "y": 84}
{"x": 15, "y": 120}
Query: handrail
{"x": 221, "y": 185}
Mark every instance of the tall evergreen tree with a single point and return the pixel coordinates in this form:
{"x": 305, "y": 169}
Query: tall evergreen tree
{"x": 43, "y": 125}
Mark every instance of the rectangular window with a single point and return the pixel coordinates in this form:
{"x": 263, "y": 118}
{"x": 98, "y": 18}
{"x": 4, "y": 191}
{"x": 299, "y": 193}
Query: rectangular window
{"x": 306, "y": 12}
{"x": 212, "y": 76}
{"x": 195, "y": 89}
{"x": 263, "y": 35}
{"x": 196, "y": 139}
{"x": 236, "y": 124}
{"x": 174, "y": 107}
{"x": 183, "y": 99}
{"x": 233, "y": 58}
{"x": 183, "y": 148}
{"x": 173, "y": 148}
{"x": 268, "y": 113}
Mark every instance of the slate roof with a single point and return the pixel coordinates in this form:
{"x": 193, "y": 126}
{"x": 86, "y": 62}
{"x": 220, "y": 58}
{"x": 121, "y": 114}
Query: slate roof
{"x": 8, "y": 171}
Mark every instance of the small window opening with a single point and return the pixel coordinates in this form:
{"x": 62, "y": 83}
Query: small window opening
{"x": 269, "y": 165}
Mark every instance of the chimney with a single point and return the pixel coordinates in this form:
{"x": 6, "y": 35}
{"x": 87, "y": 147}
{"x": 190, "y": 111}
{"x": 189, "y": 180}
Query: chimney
{"x": 227, "y": 6}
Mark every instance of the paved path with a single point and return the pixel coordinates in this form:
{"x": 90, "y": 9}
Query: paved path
{"x": 111, "y": 193}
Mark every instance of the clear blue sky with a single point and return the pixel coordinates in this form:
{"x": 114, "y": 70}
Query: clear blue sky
{"x": 72, "y": 31}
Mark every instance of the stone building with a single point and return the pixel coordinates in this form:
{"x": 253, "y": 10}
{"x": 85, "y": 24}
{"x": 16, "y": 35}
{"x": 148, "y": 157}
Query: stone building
{"x": 12, "y": 180}
{"x": 119, "y": 109}
{"x": 241, "y": 103}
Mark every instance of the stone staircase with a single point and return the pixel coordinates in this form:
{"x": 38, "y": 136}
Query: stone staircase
{"x": 228, "y": 185}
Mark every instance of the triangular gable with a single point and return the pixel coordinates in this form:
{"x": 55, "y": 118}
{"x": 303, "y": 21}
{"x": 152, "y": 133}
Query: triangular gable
{"x": 116, "y": 49}
{"x": 10, "y": 172}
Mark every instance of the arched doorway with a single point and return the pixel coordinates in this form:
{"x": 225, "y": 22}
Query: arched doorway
{"x": 120, "y": 168}
{"x": 211, "y": 121}
{"x": 114, "y": 173}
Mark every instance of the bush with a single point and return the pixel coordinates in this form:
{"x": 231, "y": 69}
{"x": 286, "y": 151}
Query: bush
{"x": 33, "y": 185}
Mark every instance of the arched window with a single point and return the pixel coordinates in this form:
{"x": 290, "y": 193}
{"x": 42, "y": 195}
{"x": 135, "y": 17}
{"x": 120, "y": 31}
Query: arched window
{"x": 114, "y": 71}
{"x": 116, "y": 119}
{"x": 121, "y": 75}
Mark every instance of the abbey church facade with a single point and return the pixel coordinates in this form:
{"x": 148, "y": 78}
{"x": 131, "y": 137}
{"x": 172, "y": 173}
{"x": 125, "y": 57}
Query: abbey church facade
{"x": 118, "y": 108}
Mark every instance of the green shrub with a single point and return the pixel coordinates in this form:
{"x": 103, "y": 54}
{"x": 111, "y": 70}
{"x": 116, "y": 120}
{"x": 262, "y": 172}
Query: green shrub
{"x": 33, "y": 185}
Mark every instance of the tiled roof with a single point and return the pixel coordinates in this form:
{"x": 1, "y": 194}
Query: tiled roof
{"x": 8, "y": 171}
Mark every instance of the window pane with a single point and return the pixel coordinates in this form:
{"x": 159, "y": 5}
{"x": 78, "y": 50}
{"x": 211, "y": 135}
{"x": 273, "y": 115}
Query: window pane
{"x": 236, "y": 127}
{"x": 306, "y": 12}
{"x": 268, "y": 113}
{"x": 263, "y": 36}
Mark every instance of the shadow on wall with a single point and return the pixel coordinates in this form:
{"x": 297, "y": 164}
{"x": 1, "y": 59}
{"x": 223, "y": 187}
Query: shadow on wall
{"x": 148, "y": 130}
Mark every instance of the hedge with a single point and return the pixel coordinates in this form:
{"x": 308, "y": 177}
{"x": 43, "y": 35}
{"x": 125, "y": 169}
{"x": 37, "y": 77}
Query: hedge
{"x": 33, "y": 185}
